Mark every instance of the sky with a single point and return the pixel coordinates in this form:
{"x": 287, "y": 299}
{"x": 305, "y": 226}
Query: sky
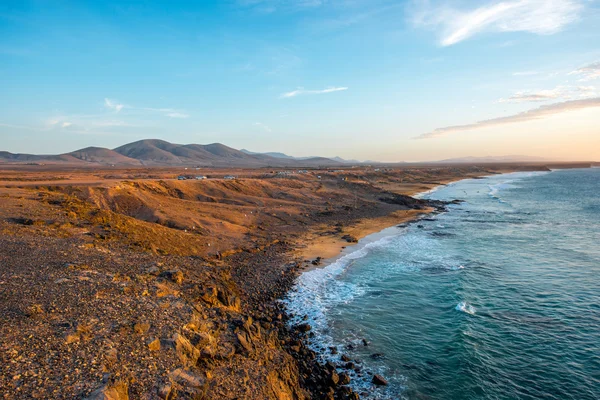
{"x": 384, "y": 80}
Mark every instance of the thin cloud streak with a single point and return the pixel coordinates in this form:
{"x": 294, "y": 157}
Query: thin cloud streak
{"x": 560, "y": 92}
{"x": 530, "y": 115}
{"x": 302, "y": 91}
{"x": 542, "y": 17}
{"x": 588, "y": 72}
{"x": 168, "y": 112}
{"x": 177, "y": 115}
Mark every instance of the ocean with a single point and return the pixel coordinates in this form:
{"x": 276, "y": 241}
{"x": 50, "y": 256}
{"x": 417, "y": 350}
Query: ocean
{"x": 498, "y": 298}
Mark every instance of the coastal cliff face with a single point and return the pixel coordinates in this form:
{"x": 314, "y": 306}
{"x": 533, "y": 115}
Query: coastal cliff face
{"x": 166, "y": 289}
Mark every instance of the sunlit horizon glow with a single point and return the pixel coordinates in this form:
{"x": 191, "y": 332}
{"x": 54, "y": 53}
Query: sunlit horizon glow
{"x": 385, "y": 80}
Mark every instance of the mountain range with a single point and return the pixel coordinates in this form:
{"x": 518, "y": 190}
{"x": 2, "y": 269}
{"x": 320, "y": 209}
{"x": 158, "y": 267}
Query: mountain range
{"x": 154, "y": 152}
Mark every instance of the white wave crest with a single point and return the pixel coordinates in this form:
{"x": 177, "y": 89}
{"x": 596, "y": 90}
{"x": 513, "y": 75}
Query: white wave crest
{"x": 465, "y": 307}
{"x": 316, "y": 291}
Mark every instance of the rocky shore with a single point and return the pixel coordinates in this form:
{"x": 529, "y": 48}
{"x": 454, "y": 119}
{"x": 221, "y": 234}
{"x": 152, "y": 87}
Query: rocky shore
{"x": 100, "y": 301}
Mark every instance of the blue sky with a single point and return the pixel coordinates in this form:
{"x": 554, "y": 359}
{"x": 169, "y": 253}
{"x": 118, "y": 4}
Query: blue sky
{"x": 367, "y": 79}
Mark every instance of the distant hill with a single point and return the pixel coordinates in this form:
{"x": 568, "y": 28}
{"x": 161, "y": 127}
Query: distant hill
{"x": 287, "y": 157}
{"x": 154, "y": 152}
{"x": 5, "y": 155}
{"x": 491, "y": 159}
{"x": 101, "y": 155}
{"x": 272, "y": 154}
{"x": 342, "y": 160}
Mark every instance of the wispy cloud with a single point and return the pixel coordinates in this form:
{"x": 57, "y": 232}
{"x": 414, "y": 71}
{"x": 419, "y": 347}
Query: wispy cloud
{"x": 588, "y": 72}
{"x": 113, "y": 105}
{"x": 60, "y": 123}
{"x": 264, "y": 127}
{"x": 530, "y": 115}
{"x": 177, "y": 115}
{"x": 168, "y": 112}
{"x": 302, "y": 91}
{"x": 559, "y": 92}
{"x": 542, "y": 17}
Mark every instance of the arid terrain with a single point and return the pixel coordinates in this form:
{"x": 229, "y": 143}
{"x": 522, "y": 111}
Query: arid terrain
{"x": 130, "y": 283}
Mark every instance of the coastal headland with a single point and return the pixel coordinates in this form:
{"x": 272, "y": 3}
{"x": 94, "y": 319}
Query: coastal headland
{"x": 144, "y": 283}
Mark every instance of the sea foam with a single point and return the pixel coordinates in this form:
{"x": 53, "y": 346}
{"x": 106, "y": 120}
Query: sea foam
{"x": 465, "y": 307}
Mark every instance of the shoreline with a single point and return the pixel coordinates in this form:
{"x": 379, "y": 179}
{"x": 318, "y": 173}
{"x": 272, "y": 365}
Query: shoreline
{"x": 322, "y": 375}
{"x": 329, "y": 249}
{"x": 374, "y": 230}
{"x": 363, "y": 241}
{"x": 389, "y": 231}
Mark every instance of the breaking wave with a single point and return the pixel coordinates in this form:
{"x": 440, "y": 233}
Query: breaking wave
{"x": 465, "y": 307}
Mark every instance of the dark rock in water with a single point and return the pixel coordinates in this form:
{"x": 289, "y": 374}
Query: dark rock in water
{"x": 347, "y": 393}
{"x": 420, "y": 226}
{"x": 377, "y": 356}
{"x": 345, "y": 358}
{"x": 379, "y": 380}
{"x": 330, "y": 366}
{"x": 364, "y": 342}
{"x": 333, "y": 350}
{"x": 304, "y": 327}
{"x": 349, "y": 365}
{"x": 344, "y": 379}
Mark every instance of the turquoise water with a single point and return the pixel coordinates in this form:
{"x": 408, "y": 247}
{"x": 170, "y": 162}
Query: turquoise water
{"x": 499, "y": 298}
